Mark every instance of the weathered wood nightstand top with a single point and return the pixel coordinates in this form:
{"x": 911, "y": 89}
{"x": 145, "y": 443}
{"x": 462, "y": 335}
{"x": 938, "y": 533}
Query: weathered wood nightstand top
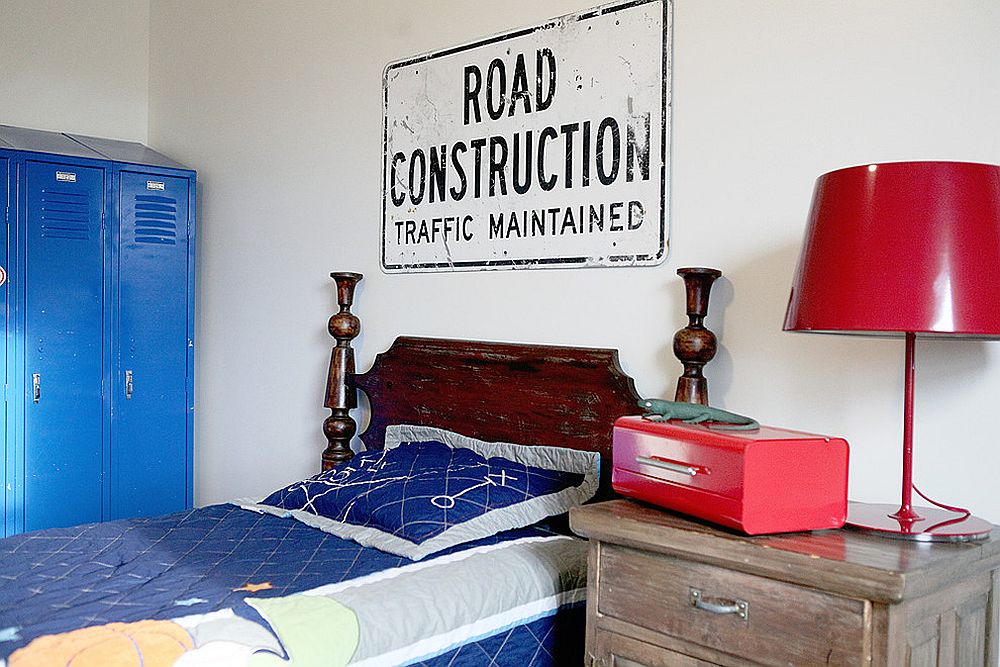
{"x": 843, "y": 561}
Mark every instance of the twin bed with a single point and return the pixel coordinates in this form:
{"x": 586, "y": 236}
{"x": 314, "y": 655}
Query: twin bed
{"x": 435, "y": 546}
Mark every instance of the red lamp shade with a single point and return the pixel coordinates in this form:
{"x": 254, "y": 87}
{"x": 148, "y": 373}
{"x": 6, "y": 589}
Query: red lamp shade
{"x": 904, "y": 248}
{"x": 901, "y": 247}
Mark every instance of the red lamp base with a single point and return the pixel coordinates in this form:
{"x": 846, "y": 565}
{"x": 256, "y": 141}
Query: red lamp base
{"x": 933, "y": 525}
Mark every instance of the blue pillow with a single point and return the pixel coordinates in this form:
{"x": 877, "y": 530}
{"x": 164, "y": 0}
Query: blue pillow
{"x": 432, "y": 489}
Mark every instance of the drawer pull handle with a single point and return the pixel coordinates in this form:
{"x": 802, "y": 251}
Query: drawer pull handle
{"x": 673, "y": 466}
{"x": 720, "y": 605}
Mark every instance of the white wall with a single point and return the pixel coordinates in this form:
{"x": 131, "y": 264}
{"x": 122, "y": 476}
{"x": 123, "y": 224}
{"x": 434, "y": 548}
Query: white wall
{"x": 278, "y": 106}
{"x": 79, "y": 67}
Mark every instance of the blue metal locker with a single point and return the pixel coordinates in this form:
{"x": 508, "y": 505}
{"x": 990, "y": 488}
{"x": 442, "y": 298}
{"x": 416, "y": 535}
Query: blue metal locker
{"x": 64, "y": 309}
{"x": 6, "y": 462}
{"x": 99, "y": 317}
{"x": 150, "y": 395}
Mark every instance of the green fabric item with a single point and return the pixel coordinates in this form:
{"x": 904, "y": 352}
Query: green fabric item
{"x": 314, "y": 630}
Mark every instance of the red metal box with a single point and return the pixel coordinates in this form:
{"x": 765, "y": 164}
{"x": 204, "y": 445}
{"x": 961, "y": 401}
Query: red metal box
{"x": 767, "y": 480}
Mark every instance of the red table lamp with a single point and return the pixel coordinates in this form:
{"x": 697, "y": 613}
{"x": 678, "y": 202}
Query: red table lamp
{"x": 904, "y": 249}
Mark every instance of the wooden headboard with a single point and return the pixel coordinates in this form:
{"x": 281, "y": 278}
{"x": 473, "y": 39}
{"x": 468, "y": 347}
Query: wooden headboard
{"x": 527, "y": 394}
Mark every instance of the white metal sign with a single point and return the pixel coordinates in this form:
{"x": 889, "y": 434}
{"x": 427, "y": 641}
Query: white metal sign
{"x": 546, "y": 146}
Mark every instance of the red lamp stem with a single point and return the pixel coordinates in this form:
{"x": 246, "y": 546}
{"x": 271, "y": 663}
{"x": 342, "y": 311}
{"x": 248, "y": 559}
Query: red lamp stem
{"x": 905, "y": 512}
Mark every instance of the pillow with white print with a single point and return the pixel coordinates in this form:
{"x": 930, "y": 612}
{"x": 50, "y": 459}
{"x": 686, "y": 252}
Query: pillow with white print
{"x": 432, "y": 489}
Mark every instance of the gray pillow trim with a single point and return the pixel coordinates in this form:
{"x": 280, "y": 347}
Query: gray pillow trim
{"x": 492, "y": 522}
{"x": 363, "y": 535}
{"x": 541, "y": 456}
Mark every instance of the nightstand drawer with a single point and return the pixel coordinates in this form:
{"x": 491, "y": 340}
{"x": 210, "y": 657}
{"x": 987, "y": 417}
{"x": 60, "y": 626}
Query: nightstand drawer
{"x": 758, "y": 619}
{"x": 613, "y": 650}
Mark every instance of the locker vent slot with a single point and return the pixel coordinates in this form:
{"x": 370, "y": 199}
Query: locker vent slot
{"x": 155, "y": 220}
{"x": 65, "y": 215}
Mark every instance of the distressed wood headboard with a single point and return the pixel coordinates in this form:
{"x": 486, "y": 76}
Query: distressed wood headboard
{"x": 527, "y": 394}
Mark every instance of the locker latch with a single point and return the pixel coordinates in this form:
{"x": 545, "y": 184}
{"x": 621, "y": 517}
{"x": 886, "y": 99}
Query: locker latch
{"x": 36, "y": 386}
{"x": 128, "y": 385}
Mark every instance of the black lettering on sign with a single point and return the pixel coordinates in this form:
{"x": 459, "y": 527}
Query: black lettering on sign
{"x": 459, "y": 170}
{"x": 608, "y": 177}
{"x": 496, "y": 87}
{"x": 568, "y": 129}
{"x": 513, "y": 229}
{"x": 519, "y": 186}
{"x": 519, "y": 88}
{"x": 545, "y": 183}
{"x": 473, "y": 84}
{"x": 498, "y": 97}
{"x": 498, "y": 163}
{"x": 636, "y": 151}
{"x": 537, "y": 222}
{"x": 499, "y": 159}
{"x": 569, "y": 222}
{"x": 443, "y": 229}
{"x": 545, "y": 87}
{"x": 397, "y": 198}
{"x": 496, "y": 225}
{"x": 411, "y": 226}
{"x": 418, "y": 183}
{"x": 438, "y": 172}
{"x": 477, "y": 146}
{"x": 615, "y": 215}
{"x": 635, "y": 213}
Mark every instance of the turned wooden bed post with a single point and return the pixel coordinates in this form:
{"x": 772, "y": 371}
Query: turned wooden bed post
{"x": 694, "y": 345}
{"x": 341, "y": 396}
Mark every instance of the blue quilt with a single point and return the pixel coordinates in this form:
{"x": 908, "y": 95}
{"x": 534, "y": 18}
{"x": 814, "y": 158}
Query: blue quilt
{"x": 549, "y": 641}
{"x": 191, "y": 562}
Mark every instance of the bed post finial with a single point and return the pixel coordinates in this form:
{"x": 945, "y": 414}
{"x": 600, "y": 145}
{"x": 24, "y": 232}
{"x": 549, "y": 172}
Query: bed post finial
{"x": 341, "y": 396}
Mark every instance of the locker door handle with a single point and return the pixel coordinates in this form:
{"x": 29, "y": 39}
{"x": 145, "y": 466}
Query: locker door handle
{"x": 36, "y": 386}
{"x": 128, "y": 385}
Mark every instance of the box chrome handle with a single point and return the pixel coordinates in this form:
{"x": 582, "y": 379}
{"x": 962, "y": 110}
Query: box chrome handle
{"x": 719, "y": 605}
{"x": 36, "y": 386}
{"x": 128, "y": 385}
{"x": 673, "y": 466}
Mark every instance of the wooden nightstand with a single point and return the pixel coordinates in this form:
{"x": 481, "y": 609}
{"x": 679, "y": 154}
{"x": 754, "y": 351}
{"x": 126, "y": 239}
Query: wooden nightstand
{"x": 665, "y": 590}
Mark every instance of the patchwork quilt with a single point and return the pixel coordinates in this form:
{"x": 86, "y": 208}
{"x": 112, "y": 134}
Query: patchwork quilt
{"x": 223, "y": 585}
